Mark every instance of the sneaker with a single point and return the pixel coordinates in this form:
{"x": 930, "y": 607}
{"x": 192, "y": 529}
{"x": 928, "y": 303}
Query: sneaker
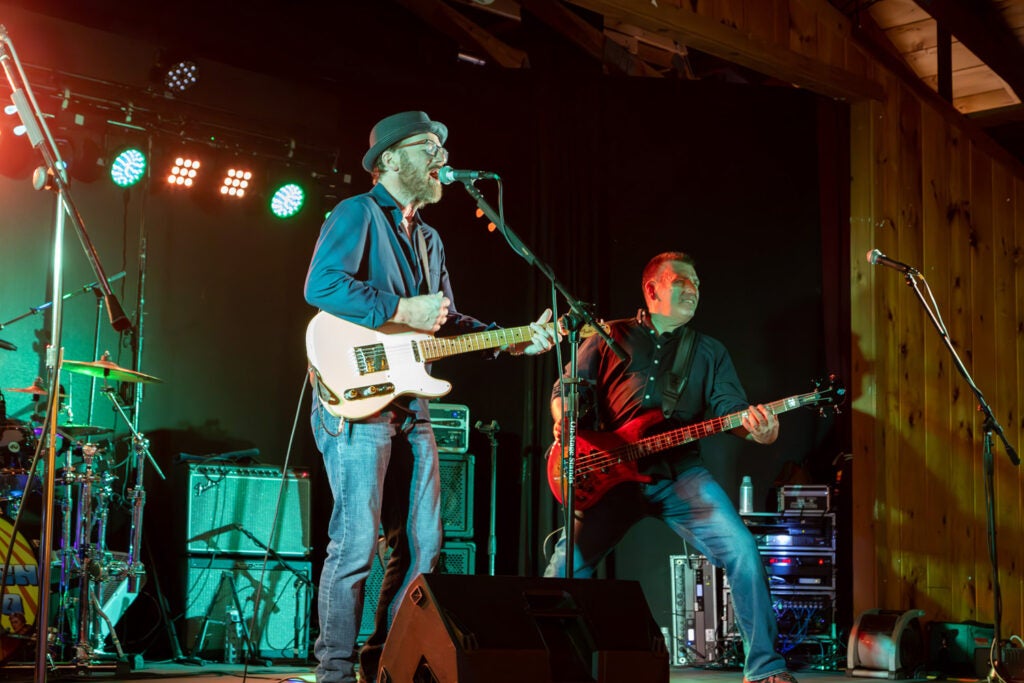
{"x": 784, "y": 677}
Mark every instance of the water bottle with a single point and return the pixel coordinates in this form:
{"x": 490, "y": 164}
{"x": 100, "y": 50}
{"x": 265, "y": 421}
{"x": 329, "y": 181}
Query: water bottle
{"x": 746, "y": 496}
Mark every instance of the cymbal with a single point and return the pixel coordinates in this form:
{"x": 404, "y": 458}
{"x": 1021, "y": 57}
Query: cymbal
{"x": 106, "y": 369}
{"x": 34, "y": 389}
{"x": 82, "y": 430}
{"x": 38, "y": 391}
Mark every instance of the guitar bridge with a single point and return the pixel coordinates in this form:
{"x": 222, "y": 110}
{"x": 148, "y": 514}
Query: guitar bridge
{"x": 369, "y": 391}
{"x": 371, "y": 358}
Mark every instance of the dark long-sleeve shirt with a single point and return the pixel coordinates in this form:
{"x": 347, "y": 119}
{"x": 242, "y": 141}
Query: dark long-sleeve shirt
{"x": 622, "y": 390}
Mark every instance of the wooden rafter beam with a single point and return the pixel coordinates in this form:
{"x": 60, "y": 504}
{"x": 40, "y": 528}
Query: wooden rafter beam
{"x": 978, "y": 26}
{"x": 456, "y": 26}
{"x": 686, "y": 27}
{"x": 593, "y": 41}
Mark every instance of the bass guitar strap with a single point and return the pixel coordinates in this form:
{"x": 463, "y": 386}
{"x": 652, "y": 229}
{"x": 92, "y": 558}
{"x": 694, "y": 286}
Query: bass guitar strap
{"x": 680, "y": 373}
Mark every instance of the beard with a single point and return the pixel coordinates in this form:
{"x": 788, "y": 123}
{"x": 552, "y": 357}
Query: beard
{"x": 417, "y": 183}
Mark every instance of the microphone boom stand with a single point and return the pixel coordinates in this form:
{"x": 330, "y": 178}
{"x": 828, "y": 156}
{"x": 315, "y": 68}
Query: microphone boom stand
{"x": 39, "y": 137}
{"x": 491, "y": 430}
{"x": 582, "y": 311}
{"x": 990, "y": 425}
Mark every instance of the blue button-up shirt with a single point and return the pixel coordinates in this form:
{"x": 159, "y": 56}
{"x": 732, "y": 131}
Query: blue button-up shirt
{"x": 364, "y": 262}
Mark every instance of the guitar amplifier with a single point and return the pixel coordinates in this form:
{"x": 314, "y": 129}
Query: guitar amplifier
{"x": 227, "y": 501}
{"x": 451, "y": 427}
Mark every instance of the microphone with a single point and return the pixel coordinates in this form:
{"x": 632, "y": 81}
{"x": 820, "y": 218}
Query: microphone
{"x": 877, "y": 258}
{"x": 449, "y": 175}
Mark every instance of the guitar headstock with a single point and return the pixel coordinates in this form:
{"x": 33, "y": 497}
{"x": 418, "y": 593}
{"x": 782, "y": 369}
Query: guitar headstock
{"x": 829, "y": 395}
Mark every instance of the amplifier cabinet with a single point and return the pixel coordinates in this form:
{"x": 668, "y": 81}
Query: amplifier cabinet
{"x": 456, "y": 558}
{"x": 451, "y": 427}
{"x": 457, "y": 473}
{"x": 226, "y": 501}
{"x": 212, "y": 619}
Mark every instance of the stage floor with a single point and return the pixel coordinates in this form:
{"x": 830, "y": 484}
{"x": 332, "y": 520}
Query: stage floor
{"x": 220, "y": 673}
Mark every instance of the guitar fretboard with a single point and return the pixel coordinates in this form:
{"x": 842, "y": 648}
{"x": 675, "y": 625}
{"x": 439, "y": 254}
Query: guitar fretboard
{"x": 683, "y": 435}
{"x": 436, "y": 348}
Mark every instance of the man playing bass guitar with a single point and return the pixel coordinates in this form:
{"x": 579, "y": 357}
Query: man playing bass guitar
{"x": 677, "y": 488}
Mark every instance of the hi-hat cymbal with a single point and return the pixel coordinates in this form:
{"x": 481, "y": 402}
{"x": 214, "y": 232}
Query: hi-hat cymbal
{"x": 82, "y": 430}
{"x": 106, "y": 369}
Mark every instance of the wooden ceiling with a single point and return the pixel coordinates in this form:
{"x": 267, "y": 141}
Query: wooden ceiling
{"x": 980, "y": 41}
{"x": 985, "y": 46}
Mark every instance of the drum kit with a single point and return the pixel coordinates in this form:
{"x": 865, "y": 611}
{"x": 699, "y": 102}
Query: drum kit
{"x": 92, "y": 585}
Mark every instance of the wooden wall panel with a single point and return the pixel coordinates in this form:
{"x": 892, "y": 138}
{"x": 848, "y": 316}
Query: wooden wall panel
{"x": 983, "y": 362}
{"x": 888, "y": 291}
{"x": 909, "y": 498}
{"x": 963, "y": 467}
{"x": 938, "y": 167}
{"x": 863, "y": 210}
{"x": 1004, "y": 390}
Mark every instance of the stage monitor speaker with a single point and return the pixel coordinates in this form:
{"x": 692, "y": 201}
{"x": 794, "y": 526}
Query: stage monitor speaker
{"x": 457, "y": 557}
{"x": 456, "y": 473}
{"x": 506, "y": 629}
{"x": 282, "y": 629}
{"x": 225, "y": 501}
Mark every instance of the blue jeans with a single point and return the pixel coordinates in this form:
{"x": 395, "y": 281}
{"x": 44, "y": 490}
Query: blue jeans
{"x": 696, "y": 507}
{"x": 382, "y": 471}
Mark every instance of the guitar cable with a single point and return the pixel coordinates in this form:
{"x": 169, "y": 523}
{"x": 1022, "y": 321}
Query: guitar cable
{"x": 253, "y": 649}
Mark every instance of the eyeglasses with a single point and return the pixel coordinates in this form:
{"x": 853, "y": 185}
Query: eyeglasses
{"x": 432, "y": 149}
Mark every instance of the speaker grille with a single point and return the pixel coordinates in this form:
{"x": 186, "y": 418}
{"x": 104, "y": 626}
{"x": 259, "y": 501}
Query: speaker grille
{"x": 457, "y": 494}
{"x": 282, "y": 629}
{"x": 221, "y": 497}
{"x": 456, "y": 558}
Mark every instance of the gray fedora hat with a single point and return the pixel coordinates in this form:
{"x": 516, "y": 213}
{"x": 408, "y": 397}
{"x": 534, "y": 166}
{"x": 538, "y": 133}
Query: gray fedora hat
{"x": 397, "y": 127}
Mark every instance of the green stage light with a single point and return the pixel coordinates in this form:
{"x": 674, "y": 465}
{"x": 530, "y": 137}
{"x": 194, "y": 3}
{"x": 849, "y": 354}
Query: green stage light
{"x": 287, "y": 200}
{"x": 128, "y": 167}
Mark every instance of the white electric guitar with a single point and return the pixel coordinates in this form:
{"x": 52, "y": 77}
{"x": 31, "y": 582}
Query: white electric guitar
{"x": 360, "y": 371}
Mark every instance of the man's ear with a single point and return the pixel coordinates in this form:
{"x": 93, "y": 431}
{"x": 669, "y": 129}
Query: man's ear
{"x": 386, "y": 160}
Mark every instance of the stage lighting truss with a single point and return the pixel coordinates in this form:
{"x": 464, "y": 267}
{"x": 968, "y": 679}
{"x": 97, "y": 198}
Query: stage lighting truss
{"x": 128, "y": 167}
{"x": 236, "y": 182}
{"x": 287, "y": 200}
{"x": 184, "y": 171}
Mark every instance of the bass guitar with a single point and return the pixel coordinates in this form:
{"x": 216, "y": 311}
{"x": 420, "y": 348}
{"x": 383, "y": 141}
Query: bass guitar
{"x": 606, "y": 459}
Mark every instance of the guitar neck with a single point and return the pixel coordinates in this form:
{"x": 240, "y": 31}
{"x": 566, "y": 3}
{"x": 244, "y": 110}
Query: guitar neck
{"x": 683, "y": 435}
{"x": 436, "y": 348}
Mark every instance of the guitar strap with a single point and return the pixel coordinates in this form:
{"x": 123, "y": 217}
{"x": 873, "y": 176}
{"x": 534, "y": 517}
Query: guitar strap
{"x": 677, "y": 378}
{"x": 421, "y": 242}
